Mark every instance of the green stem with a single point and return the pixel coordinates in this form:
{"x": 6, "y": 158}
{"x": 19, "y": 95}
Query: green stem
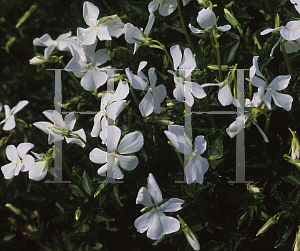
{"x": 73, "y": 180}
{"x": 286, "y": 58}
{"x": 162, "y": 47}
{"x": 250, "y": 90}
{"x": 183, "y": 25}
{"x": 218, "y": 54}
{"x": 71, "y": 74}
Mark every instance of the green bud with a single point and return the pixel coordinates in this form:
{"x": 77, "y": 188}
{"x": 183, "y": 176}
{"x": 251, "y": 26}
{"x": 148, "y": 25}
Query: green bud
{"x": 272, "y": 221}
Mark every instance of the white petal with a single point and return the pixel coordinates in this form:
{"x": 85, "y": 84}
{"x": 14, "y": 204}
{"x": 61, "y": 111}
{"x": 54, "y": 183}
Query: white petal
{"x": 152, "y": 76}
{"x": 224, "y": 28}
{"x": 86, "y": 36}
{"x": 291, "y": 31}
{"x": 200, "y": 144}
{"x": 144, "y": 198}
{"x": 10, "y": 123}
{"x": 160, "y": 93}
{"x": 162, "y": 225}
{"x": 135, "y": 81}
{"x": 115, "y": 26}
{"x": 97, "y": 125}
{"x": 153, "y": 189}
{"x": 101, "y": 56}
{"x": 258, "y": 82}
{"x": 236, "y": 126}
{"x": 103, "y": 32}
{"x": 206, "y": 18}
{"x": 44, "y": 40}
{"x": 132, "y": 32}
{"x": 93, "y": 79}
{"x": 70, "y": 121}
{"x": 282, "y": 100}
{"x": 267, "y": 100}
{"x": 167, "y": 7}
{"x": 225, "y": 96}
{"x": 172, "y": 205}
{"x": 128, "y": 163}
{"x": 195, "y": 169}
{"x": 149, "y": 24}
{"x": 18, "y": 168}
{"x": 81, "y": 133}
{"x": 90, "y": 13}
{"x": 142, "y": 65}
{"x": 111, "y": 135}
{"x": 131, "y": 143}
{"x": 280, "y": 82}
{"x": 54, "y": 117}
{"x": 98, "y": 156}
{"x": 152, "y": 7}
{"x": 11, "y": 152}
{"x": 254, "y": 69}
{"x": 143, "y": 222}
{"x": 188, "y": 63}
{"x": 19, "y": 106}
{"x": 8, "y": 170}
{"x": 121, "y": 91}
{"x": 36, "y": 171}
{"x": 267, "y": 31}
{"x": 28, "y": 162}
{"x": 195, "y": 30}
{"x": 23, "y": 148}
{"x": 176, "y": 55}
{"x": 147, "y": 104}
{"x": 291, "y": 46}
{"x": 197, "y": 90}
{"x": 114, "y": 109}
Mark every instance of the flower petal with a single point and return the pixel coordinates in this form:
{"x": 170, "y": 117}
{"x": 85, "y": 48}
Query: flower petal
{"x": 8, "y": 171}
{"x": 200, "y": 144}
{"x": 144, "y": 198}
{"x": 136, "y": 81}
{"x": 98, "y": 156}
{"x": 280, "y": 82}
{"x": 36, "y": 171}
{"x": 143, "y": 222}
{"x": 121, "y": 91}
{"x": 86, "y": 36}
{"x": 176, "y": 55}
{"x": 152, "y": 7}
{"x": 267, "y": 31}
{"x": 54, "y": 117}
{"x": 131, "y": 32}
{"x": 23, "y": 148}
{"x": 128, "y": 163}
{"x": 153, "y": 189}
{"x": 225, "y": 96}
{"x": 188, "y": 63}
{"x": 195, "y": 30}
{"x": 206, "y": 18}
{"x": 81, "y": 133}
{"x": 147, "y": 104}
{"x": 224, "y": 28}
{"x": 28, "y": 162}
{"x": 111, "y": 135}
{"x": 167, "y": 7}
{"x": 90, "y": 13}
{"x": 93, "y": 79}
{"x": 172, "y": 205}
{"x": 197, "y": 90}
{"x": 291, "y": 31}
{"x": 10, "y": 123}
{"x": 19, "y": 106}
{"x": 11, "y": 152}
{"x": 149, "y": 24}
{"x": 131, "y": 143}
{"x": 282, "y": 100}
{"x": 70, "y": 121}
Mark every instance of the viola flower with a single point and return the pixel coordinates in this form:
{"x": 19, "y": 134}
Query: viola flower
{"x": 242, "y": 120}
{"x": 40, "y": 168}
{"x": 155, "y": 94}
{"x": 116, "y": 155}
{"x": 9, "y": 115}
{"x": 60, "y": 43}
{"x": 183, "y": 67}
{"x": 207, "y": 20}
{"x": 155, "y": 222}
{"x": 279, "y": 83}
{"x": 60, "y": 128}
{"x": 84, "y": 65}
{"x": 104, "y": 29}
{"x": 166, "y": 7}
{"x": 110, "y": 108}
{"x": 196, "y": 166}
{"x": 131, "y": 32}
{"x": 20, "y": 161}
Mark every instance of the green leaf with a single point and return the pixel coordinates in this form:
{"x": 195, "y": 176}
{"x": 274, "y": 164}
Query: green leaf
{"x": 87, "y": 183}
{"x": 115, "y": 195}
{"x": 103, "y": 217}
{"x": 233, "y": 51}
{"x": 8, "y": 237}
{"x": 26, "y": 15}
{"x": 284, "y": 231}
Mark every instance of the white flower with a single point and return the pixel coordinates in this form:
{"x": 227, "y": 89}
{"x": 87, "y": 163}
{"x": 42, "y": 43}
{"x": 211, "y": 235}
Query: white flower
{"x": 206, "y": 20}
{"x": 292, "y": 46}
{"x": 279, "y": 83}
{"x": 59, "y": 128}
{"x": 131, "y": 32}
{"x": 46, "y": 41}
{"x": 111, "y": 106}
{"x": 236, "y": 126}
{"x": 196, "y": 166}
{"x": 289, "y": 32}
{"x": 185, "y": 65}
{"x": 155, "y": 222}
{"x": 104, "y": 29}
{"x": 20, "y": 161}
{"x": 39, "y": 169}
{"x": 84, "y": 65}
{"x": 166, "y": 7}
{"x": 114, "y": 157}
{"x": 9, "y": 115}
{"x": 155, "y": 94}
{"x": 38, "y": 60}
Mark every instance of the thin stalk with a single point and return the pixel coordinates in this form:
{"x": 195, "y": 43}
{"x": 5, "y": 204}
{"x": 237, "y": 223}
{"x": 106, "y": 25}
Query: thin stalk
{"x": 183, "y": 25}
{"x": 286, "y": 58}
{"x": 162, "y": 47}
{"x": 218, "y": 54}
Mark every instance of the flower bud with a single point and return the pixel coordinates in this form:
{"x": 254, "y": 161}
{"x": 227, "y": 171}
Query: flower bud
{"x": 38, "y": 60}
{"x": 190, "y": 236}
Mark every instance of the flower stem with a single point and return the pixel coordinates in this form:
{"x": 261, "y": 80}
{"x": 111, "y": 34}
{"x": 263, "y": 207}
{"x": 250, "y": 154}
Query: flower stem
{"x": 286, "y": 58}
{"x": 218, "y": 54}
{"x": 72, "y": 76}
{"x": 162, "y": 47}
{"x": 183, "y": 25}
